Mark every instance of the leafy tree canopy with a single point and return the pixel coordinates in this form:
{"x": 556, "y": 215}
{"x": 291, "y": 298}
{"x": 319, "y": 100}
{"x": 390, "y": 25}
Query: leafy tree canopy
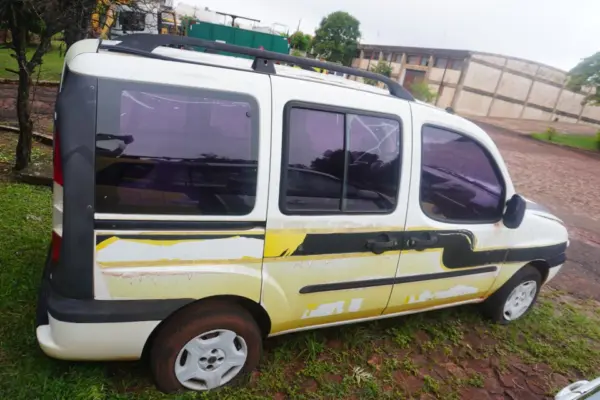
{"x": 587, "y": 73}
{"x": 300, "y": 41}
{"x": 336, "y": 39}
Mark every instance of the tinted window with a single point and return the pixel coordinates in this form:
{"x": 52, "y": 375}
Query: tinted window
{"x": 441, "y": 62}
{"x": 413, "y": 60}
{"x": 159, "y": 152}
{"x": 459, "y": 180}
{"x": 339, "y": 162}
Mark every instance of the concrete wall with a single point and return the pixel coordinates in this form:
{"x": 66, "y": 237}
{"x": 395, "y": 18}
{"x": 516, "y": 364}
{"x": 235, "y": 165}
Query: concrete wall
{"x": 544, "y": 94}
{"x": 445, "y": 97}
{"x": 501, "y": 108}
{"x": 514, "y": 86}
{"x": 490, "y": 58}
{"x": 498, "y": 86}
{"x": 452, "y": 76}
{"x": 522, "y": 66}
{"x": 521, "y": 89}
{"x": 551, "y": 74}
{"x": 592, "y": 112}
{"x": 396, "y": 67}
{"x": 536, "y": 113}
{"x": 472, "y": 103}
{"x": 570, "y": 102}
{"x": 482, "y": 77}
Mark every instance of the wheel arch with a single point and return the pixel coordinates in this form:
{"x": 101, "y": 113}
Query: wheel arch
{"x": 542, "y": 266}
{"x": 260, "y": 315}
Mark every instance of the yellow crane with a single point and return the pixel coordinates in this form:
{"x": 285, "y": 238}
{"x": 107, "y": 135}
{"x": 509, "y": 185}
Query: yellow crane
{"x": 105, "y": 14}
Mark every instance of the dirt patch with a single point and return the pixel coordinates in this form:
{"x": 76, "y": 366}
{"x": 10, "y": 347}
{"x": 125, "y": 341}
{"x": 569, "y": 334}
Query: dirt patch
{"x": 568, "y": 183}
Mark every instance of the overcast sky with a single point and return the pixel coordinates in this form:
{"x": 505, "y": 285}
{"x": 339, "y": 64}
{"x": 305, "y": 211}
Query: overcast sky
{"x": 554, "y": 32}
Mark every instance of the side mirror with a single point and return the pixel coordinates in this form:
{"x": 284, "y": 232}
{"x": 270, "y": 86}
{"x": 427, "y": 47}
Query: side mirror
{"x": 515, "y": 212}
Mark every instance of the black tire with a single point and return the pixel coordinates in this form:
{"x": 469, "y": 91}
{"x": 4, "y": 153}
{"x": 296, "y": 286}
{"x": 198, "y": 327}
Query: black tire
{"x": 193, "y": 321}
{"x": 493, "y": 307}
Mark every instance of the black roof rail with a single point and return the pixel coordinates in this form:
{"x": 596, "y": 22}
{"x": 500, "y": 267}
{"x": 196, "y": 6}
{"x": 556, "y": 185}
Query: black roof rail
{"x": 144, "y": 43}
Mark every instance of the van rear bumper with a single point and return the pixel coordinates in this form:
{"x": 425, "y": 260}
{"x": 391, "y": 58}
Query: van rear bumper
{"x": 74, "y": 329}
{"x": 88, "y": 329}
{"x": 94, "y": 341}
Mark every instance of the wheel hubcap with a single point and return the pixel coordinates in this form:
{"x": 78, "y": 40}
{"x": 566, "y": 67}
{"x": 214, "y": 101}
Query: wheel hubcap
{"x": 520, "y": 300}
{"x": 211, "y": 360}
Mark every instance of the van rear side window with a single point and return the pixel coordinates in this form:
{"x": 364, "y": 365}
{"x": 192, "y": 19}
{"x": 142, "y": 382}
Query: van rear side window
{"x": 166, "y": 150}
{"x": 339, "y": 162}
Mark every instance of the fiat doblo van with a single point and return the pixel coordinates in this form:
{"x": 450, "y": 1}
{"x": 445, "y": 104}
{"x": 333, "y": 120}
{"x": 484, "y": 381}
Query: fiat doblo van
{"x": 204, "y": 202}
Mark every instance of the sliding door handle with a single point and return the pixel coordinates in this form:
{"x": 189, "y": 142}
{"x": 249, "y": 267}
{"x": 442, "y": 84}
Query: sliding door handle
{"x": 382, "y": 244}
{"x": 421, "y": 243}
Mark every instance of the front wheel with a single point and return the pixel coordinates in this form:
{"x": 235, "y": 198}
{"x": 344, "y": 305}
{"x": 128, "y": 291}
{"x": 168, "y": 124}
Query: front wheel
{"x": 515, "y": 298}
{"x": 204, "y": 347}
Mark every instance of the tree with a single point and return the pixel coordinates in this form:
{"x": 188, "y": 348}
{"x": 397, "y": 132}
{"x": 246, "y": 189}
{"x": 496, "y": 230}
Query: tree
{"x": 46, "y": 18}
{"x": 336, "y": 39}
{"x": 382, "y": 68}
{"x": 587, "y": 74}
{"x": 300, "y": 41}
{"x": 420, "y": 90}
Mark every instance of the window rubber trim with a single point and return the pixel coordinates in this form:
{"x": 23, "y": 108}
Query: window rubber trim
{"x": 169, "y": 225}
{"x": 283, "y": 180}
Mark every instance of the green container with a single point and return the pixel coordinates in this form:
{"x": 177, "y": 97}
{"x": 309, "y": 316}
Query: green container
{"x": 238, "y": 36}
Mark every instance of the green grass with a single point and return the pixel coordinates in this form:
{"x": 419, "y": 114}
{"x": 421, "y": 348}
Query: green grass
{"x": 51, "y": 67}
{"x": 365, "y": 361}
{"x": 585, "y": 142}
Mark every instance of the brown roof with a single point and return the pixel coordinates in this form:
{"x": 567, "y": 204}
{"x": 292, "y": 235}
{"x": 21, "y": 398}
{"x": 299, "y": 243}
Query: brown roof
{"x": 416, "y": 50}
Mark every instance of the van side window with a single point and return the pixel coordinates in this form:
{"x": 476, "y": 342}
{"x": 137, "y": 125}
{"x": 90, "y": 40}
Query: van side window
{"x": 162, "y": 150}
{"x": 337, "y": 162}
{"x": 460, "y": 181}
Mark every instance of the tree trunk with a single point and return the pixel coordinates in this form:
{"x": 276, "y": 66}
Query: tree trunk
{"x": 23, "y": 155}
{"x": 79, "y": 28}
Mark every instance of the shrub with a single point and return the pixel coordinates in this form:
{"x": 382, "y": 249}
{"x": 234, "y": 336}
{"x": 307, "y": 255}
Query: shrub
{"x": 382, "y": 68}
{"x": 422, "y": 92}
{"x": 551, "y": 132}
{"x": 598, "y": 140}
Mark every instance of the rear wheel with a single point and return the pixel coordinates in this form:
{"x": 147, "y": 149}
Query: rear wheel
{"x": 205, "y": 347}
{"x": 515, "y": 298}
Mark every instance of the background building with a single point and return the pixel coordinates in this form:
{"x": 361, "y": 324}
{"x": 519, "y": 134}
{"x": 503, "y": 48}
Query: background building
{"x": 484, "y": 84}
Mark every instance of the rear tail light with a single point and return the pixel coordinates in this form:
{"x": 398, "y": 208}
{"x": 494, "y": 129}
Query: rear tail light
{"x": 55, "y": 247}
{"x": 57, "y": 160}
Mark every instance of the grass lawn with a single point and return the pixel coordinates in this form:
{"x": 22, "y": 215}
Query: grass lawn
{"x": 448, "y": 354}
{"x": 51, "y": 67}
{"x": 585, "y": 142}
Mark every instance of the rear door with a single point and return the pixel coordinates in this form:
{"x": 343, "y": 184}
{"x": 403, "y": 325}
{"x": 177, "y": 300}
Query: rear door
{"x": 180, "y": 158}
{"x": 337, "y": 204}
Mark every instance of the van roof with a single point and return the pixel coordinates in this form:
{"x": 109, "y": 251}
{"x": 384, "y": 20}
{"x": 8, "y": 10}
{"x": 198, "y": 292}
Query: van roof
{"x": 218, "y": 60}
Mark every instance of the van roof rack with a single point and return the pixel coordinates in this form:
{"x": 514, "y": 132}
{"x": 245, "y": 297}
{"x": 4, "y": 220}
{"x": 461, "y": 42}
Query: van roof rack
{"x": 143, "y": 44}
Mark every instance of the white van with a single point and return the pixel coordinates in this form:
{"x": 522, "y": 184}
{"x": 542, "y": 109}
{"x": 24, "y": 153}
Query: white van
{"x": 203, "y": 203}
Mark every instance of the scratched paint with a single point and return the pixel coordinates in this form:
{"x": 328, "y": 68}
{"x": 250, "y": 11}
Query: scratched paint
{"x": 328, "y": 309}
{"x": 236, "y": 247}
{"x": 456, "y": 291}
